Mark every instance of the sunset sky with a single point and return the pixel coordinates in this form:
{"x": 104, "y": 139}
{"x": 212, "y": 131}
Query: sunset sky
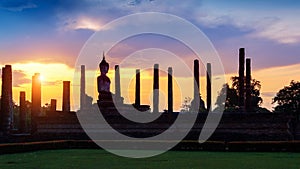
{"x": 47, "y": 37}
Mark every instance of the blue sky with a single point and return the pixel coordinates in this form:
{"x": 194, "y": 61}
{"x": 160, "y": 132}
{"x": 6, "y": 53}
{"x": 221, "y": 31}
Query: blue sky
{"x": 267, "y": 29}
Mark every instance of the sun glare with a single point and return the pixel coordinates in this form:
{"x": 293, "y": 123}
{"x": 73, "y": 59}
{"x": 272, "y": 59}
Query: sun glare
{"x": 42, "y": 78}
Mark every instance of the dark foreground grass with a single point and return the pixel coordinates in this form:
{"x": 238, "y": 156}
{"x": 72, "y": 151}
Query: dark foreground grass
{"x": 92, "y": 158}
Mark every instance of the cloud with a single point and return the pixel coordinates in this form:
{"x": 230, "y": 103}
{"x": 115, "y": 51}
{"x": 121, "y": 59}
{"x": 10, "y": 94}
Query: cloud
{"x": 281, "y": 27}
{"x": 82, "y": 22}
{"x": 20, "y": 78}
{"x": 282, "y": 30}
{"x": 93, "y": 14}
{"x": 137, "y": 2}
{"x": 52, "y": 83}
{"x": 268, "y": 94}
{"x": 16, "y": 5}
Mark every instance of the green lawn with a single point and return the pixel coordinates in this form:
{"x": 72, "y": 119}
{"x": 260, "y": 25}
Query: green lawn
{"x": 86, "y": 159}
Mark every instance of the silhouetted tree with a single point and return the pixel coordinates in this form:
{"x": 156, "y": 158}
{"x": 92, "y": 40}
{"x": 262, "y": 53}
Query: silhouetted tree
{"x": 232, "y": 94}
{"x": 231, "y": 102}
{"x": 185, "y": 107}
{"x": 288, "y": 98}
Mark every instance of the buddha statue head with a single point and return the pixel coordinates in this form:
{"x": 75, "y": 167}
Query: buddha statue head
{"x": 104, "y": 66}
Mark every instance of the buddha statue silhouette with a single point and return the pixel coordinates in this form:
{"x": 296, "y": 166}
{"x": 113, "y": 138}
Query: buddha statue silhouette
{"x": 103, "y": 82}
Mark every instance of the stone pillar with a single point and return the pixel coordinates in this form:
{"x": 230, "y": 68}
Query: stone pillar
{"x": 156, "y": 88}
{"x": 241, "y": 76}
{"x": 53, "y": 105}
{"x": 66, "y": 96}
{"x": 195, "y": 104}
{"x": 6, "y": 100}
{"x": 137, "y": 88}
{"x": 196, "y": 80}
{"x": 82, "y": 88}
{"x": 35, "y": 100}
{"x": 117, "y": 82}
{"x": 208, "y": 86}
{"x": 170, "y": 90}
{"x": 22, "y": 115}
{"x": 248, "y": 105}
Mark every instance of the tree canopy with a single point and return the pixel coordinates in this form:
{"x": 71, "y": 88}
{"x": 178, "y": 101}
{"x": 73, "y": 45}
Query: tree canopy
{"x": 288, "y": 98}
{"x": 232, "y": 95}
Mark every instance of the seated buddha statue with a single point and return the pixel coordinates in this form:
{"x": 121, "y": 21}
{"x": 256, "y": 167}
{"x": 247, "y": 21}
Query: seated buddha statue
{"x": 103, "y": 82}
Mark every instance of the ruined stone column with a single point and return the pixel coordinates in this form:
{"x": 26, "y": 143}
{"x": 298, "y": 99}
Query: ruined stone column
{"x": 241, "y": 76}
{"x": 53, "y": 105}
{"x": 196, "y": 80}
{"x": 117, "y": 82}
{"x": 208, "y": 86}
{"x": 35, "y": 101}
{"x": 22, "y": 115}
{"x": 156, "y": 88}
{"x": 248, "y": 105}
{"x": 6, "y": 100}
{"x": 66, "y": 96}
{"x": 170, "y": 90}
{"x": 82, "y": 88}
{"x": 137, "y": 88}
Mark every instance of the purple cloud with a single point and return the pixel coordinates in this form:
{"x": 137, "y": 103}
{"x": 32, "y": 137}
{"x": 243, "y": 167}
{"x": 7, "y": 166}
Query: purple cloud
{"x": 16, "y": 5}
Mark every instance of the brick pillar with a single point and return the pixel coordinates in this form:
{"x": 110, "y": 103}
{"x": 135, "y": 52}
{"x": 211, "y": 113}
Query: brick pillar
{"x": 156, "y": 88}
{"x": 82, "y": 88}
{"x": 117, "y": 82}
{"x": 6, "y": 100}
{"x": 137, "y": 88}
{"x": 66, "y": 96}
{"x": 170, "y": 90}
{"x": 208, "y": 86}
{"x": 248, "y": 105}
{"x": 241, "y": 77}
{"x": 53, "y": 105}
{"x": 35, "y": 100}
{"x": 22, "y": 115}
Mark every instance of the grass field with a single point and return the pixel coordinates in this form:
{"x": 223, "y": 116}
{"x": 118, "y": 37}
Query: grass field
{"x": 92, "y": 158}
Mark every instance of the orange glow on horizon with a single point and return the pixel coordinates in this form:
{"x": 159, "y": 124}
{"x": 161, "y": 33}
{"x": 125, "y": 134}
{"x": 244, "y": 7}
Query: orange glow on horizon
{"x": 52, "y": 85}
